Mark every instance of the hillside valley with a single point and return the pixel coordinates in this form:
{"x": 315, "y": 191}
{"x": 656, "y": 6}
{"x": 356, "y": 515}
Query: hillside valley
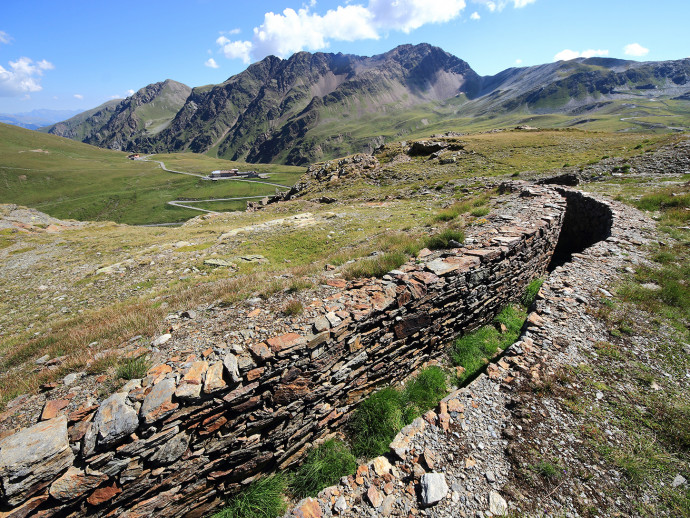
{"x": 582, "y": 415}
{"x": 313, "y": 107}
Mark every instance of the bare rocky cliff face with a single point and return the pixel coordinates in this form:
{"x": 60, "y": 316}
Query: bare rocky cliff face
{"x": 119, "y": 124}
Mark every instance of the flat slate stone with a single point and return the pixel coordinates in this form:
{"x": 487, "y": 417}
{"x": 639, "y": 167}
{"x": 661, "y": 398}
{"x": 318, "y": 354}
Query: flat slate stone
{"x": 214, "y": 378}
{"x": 75, "y": 483}
{"x": 232, "y": 366}
{"x": 171, "y": 450}
{"x": 158, "y": 403}
{"x": 115, "y": 419}
{"x": 33, "y": 457}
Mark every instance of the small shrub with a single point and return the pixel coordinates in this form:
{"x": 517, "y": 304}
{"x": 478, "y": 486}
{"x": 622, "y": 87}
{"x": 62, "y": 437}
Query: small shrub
{"x": 133, "y": 368}
{"x": 548, "y": 470}
{"x": 293, "y": 307}
{"x": 262, "y": 499}
{"x": 323, "y": 467}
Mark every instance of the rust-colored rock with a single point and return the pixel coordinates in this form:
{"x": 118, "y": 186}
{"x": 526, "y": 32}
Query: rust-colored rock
{"x": 287, "y": 392}
{"x": 75, "y": 483}
{"x": 158, "y": 403}
{"x": 214, "y": 379}
{"x": 255, "y": 373}
{"x": 104, "y": 494}
{"x": 261, "y": 351}
{"x": 52, "y": 407}
{"x": 157, "y": 370}
{"x": 26, "y": 509}
{"x": 308, "y": 508}
{"x": 285, "y": 342}
{"x": 374, "y": 496}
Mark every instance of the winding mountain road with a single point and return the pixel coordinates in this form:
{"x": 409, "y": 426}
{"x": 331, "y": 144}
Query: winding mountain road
{"x": 185, "y": 203}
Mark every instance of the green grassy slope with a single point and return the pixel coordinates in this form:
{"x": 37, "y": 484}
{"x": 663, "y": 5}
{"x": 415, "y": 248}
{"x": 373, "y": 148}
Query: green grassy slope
{"x": 68, "y": 179}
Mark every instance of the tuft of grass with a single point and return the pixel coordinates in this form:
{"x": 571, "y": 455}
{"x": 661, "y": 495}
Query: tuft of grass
{"x": 293, "y": 307}
{"x": 323, "y": 467}
{"x": 531, "y": 292}
{"x": 423, "y": 392}
{"x": 480, "y": 211}
{"x": 376, "y": 422}
{"x": 475, "y": 204}
{"x": 381, "y": 416}
{"x": 549, "y": 470}
{"x": 376, "y": 266}
{"x": 298, "y": 285}
{"x": 133, "y": 368}
{"x": 263, "y": 498}
{"x": 195, "y": 248}
{"x": 442, "y": 240}
{"x": 271, "y": 288}
{"x": 472, "y": 351}
{"x": 102, "y": 365}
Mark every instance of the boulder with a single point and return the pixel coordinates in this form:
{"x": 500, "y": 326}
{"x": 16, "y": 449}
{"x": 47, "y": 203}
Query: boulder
{"x": 115, "y": 419}
{"x": 158, "y": 403}
{"x": 497, "y": 505}
{"x": 30, "y": 459}
{"x": 434, "y": 488}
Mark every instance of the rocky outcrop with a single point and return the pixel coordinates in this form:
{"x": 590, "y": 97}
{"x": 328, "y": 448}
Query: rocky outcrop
{"x": 129, "y": 124}
{"x": 189, "y": 433}
{"x": 31, "y": 459}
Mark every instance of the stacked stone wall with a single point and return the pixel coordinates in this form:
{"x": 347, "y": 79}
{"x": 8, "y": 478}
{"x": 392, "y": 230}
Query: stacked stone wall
{"x": 179, "y": 441}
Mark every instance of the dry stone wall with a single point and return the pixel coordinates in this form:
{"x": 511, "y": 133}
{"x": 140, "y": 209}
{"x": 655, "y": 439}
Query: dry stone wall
{"x": 180, "y": 440}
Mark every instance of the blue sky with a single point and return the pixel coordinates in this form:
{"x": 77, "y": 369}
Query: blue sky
{"x": 79, "y": 54}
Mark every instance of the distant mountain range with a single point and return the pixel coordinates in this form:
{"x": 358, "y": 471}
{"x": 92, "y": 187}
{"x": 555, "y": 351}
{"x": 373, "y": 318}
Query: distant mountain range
{"x": 37, "y": 118}
{"x": 312, "y": 107}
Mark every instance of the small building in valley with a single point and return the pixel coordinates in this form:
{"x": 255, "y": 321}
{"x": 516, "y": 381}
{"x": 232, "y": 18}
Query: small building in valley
{"x": 233, "y": 173}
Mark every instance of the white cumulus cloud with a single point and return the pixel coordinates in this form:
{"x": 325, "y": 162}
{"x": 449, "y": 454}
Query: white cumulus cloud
{"x": 291, "y": 31}
{"x": 235, "y": 49}
{"x": 4, "y": 37}
{"x": 475, "y": 16}
{"x": 211, "y": 63}
{"x": 23, "y": 76}
{"x": 499, "y": 5}
{"x": 635, "y": 49}
{"x": 78, "y": 96}
{"x": 120, "y": 96}
{"x": 567, "y": 54}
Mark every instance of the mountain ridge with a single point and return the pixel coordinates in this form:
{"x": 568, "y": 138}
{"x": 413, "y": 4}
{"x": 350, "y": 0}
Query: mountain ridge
{"x": 314, "y": 106}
